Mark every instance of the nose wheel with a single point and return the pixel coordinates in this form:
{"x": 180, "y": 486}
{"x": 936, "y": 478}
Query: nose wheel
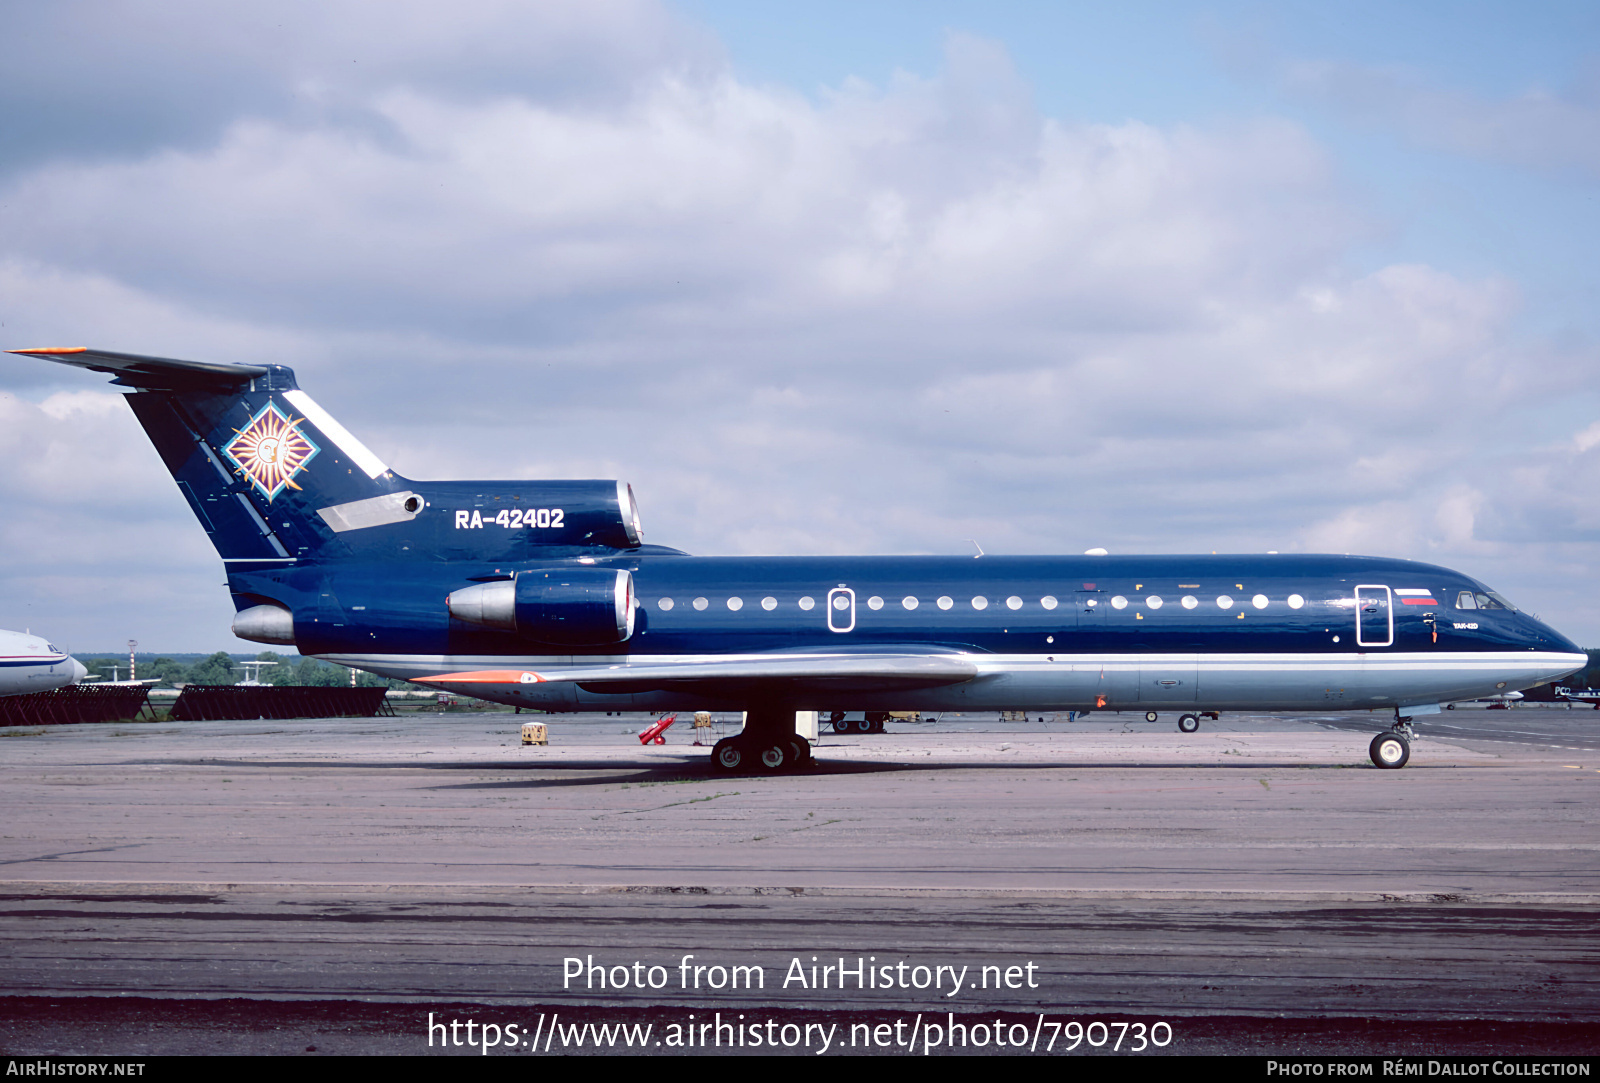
{"x": 1390, "y": 751}
{"x": 1188, "y": 723}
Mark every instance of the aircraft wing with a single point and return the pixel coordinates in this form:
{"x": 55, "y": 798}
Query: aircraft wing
{"x": 729, "y": 673}
{"x": 155, "y": 373}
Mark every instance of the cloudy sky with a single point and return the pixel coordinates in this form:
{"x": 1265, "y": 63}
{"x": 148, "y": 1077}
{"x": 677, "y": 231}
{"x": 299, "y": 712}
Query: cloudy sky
{"x": 824, "y": 278}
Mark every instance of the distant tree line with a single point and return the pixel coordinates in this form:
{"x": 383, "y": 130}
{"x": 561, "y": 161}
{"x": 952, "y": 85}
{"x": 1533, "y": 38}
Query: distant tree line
{"x": 223, "y": 668}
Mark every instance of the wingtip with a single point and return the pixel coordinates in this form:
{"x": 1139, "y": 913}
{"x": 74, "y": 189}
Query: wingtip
{"x": 47, "y": 351}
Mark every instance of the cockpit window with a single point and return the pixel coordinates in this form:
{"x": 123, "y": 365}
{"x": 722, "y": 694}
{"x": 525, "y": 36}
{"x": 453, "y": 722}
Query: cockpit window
{"x": 1483, "y": 599}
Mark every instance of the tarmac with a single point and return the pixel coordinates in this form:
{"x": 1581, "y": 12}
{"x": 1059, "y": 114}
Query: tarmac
{"x": 1255, "y": 887}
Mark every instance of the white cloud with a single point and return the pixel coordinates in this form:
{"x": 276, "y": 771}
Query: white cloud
{"x": 94, "y": 80}
{"x": 1588, "y": 439}
{"x": 98, "y": 542}
{"x": 1417, "y": 526}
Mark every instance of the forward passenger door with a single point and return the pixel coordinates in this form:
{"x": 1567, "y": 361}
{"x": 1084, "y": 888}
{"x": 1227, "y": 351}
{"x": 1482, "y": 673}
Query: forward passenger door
{"x": 1374, "y": 616}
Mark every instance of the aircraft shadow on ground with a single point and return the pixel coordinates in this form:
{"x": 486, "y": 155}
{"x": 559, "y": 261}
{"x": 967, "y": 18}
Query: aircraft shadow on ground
{"x": 607, "y": 772}
{"x": 692, "y": 772}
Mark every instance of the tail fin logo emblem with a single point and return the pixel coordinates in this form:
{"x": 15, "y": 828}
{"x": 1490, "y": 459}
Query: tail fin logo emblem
{"x": 271, "y": 450}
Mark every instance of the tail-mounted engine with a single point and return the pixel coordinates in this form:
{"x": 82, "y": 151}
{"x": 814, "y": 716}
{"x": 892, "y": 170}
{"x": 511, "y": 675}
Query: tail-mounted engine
{"x": 578, "y": 606}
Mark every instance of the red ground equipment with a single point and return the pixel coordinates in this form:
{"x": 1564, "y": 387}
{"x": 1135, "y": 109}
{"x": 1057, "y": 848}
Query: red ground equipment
{"x": 654, "y": 731}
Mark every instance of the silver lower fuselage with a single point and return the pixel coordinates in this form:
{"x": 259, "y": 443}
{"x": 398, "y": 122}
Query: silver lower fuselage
{"x": 1212, "y": 682}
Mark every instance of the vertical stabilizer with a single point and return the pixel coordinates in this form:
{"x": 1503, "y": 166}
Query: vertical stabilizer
{"x": 255, "y": 456}
{"x": 275, "y": 480}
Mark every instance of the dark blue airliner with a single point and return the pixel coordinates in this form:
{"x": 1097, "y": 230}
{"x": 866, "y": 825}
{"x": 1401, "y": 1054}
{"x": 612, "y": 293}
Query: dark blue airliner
{"x": 544, "y": 594}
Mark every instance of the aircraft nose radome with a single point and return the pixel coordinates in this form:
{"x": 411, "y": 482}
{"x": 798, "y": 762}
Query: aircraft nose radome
{"x": 1562, "y": 643}
{"x": 78, "y": 671}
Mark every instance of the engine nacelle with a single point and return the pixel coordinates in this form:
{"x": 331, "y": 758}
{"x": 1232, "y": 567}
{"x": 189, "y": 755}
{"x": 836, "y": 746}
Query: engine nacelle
{"x": 265, "y": 624}
{"x": 577, "y": 606}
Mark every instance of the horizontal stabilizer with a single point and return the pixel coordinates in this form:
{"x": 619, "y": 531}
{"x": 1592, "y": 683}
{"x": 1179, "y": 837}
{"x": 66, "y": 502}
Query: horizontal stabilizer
{"x": 151, "y": 373}
{"x": 877, "y": 671}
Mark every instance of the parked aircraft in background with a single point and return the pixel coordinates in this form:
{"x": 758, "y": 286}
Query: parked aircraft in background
{"x": 30, "y": 664}
{"x": 544, "y": 594}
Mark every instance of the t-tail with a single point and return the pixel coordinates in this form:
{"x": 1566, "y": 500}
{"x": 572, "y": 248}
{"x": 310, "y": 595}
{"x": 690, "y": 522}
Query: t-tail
{"x": 279, "y": 485}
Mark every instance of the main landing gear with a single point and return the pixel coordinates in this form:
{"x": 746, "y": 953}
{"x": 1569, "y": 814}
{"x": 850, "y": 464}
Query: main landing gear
{"x": 1188, "y": 722}
{"x": 741, "y": 755}
{"x": 768, "y": 746}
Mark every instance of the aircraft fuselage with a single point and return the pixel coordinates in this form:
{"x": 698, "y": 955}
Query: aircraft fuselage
{"x": 1286, "y": 632}
{"x": 31, "y": 664}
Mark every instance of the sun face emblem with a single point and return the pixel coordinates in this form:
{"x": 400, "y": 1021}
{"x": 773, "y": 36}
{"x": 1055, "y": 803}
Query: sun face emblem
{"x": 271, "y": 450}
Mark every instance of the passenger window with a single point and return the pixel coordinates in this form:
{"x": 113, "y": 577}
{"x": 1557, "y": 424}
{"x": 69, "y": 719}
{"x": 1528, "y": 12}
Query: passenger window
{"x": 1465, "y": 600}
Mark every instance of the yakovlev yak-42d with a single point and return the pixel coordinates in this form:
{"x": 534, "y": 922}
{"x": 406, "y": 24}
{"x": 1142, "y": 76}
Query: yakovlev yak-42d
{"x": 543, "y": 594}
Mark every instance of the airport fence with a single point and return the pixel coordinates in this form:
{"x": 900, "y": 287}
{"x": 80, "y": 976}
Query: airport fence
{"x": 78, "y": 703}
{"x": 219, "y": 703}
